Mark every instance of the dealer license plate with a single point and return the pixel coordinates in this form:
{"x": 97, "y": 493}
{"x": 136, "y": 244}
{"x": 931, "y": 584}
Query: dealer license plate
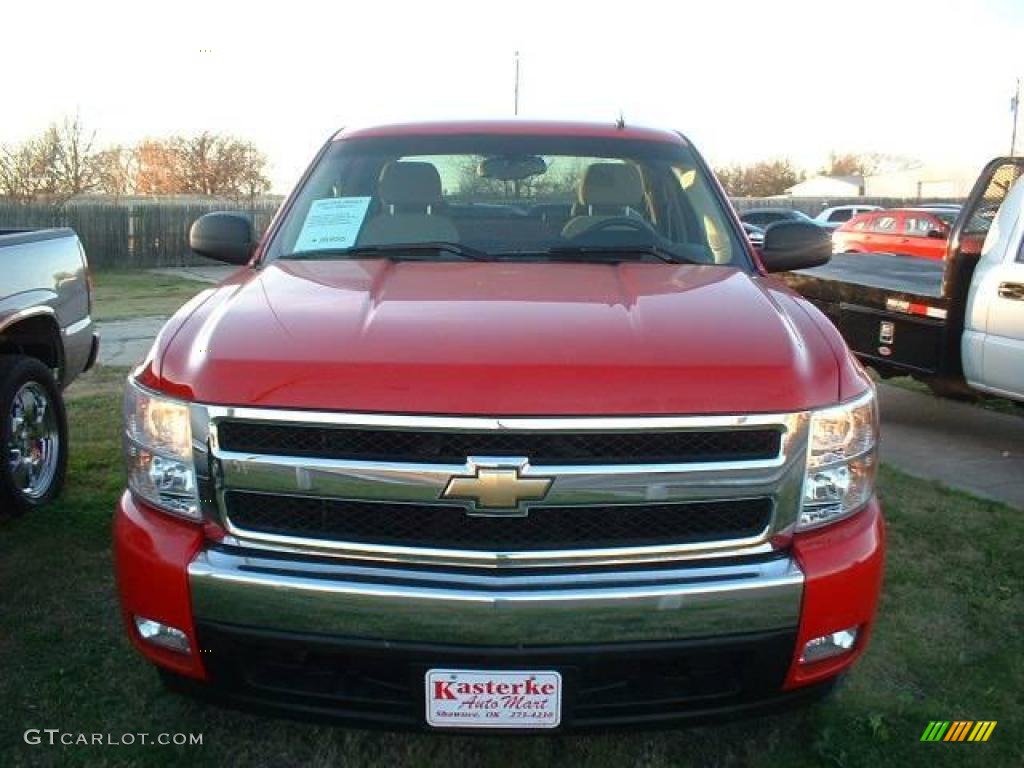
{"x": 464, "y": 698}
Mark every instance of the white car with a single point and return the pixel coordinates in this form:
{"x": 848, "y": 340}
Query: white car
{"x": 839, "y": 214}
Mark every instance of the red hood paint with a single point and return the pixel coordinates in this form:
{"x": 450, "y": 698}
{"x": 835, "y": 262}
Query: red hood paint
{"x": 513, "y": 128}
{"x": 501, "y": 339}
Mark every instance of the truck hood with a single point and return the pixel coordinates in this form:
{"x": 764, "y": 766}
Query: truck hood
{"x": 498, "y": 339}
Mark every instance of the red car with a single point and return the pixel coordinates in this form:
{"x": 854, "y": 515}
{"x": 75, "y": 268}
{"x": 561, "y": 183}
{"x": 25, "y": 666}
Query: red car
{"x": 908, "y": 231}
{"x": 502, "y": 426}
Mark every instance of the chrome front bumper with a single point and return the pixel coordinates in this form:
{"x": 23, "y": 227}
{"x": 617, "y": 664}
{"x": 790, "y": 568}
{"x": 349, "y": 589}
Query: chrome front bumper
{"x": 328, "y": 597}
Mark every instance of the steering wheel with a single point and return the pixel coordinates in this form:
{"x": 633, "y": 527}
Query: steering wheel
{"x": 618, "y": 222}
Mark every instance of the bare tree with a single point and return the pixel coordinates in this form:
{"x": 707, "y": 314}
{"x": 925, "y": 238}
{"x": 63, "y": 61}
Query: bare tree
{"x": 206, "y": 164}
{"x": 850, "y": 164}
{"x": 63, "y": 162}
{"x": 58, "y": 164}
{"x": 157, "y": 169}
{"x": 117, "y": 170}
{"x": 763, "y": 179}
{"x": 220, "y": 165}
{"x": 73, "y": 168}
{"x": 24, "y": 170}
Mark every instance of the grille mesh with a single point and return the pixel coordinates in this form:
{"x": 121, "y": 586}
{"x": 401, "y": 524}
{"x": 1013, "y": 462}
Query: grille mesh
{"x": 540, "y": 447}
{"x": 542, "y": 529}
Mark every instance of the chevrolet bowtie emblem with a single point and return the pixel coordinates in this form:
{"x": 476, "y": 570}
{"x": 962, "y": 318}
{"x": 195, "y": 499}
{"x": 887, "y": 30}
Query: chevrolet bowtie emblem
{"x": 498, "y": 488}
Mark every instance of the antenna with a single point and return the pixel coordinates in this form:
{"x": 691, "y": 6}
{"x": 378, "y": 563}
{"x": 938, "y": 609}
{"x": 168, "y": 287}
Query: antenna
{"x": 620, "y": 123}
{"x": 1014, "y": 107}
{"x": 516, "y": 95}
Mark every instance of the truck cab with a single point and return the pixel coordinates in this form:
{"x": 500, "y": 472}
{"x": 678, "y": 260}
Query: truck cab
{"x": 993, "y": 340}
{"x": 502, "y": 426}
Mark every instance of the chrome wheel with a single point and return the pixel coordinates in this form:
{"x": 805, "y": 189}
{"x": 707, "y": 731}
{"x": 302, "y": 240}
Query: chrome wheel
{"x": 33, "y": 450}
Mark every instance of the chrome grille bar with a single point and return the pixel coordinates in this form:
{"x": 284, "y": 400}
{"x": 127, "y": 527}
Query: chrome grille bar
{"x": 779, "y": 478}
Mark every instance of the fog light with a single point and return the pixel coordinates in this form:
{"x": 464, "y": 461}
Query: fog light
{"x": 835, "y": 644}
{"x": 165, "y": 636}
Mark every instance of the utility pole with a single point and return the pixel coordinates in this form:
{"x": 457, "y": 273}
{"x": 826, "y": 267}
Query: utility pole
{"x": 1014, "y": 107}
{"x": 516, "y": 95}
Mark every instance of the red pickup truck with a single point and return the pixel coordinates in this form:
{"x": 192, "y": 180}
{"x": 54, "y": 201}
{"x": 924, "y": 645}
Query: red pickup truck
{"x": 501, "y": 425}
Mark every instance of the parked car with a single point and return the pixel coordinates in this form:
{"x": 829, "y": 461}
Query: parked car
{"x": 762, "y": 217}
{"x": 427, "y": 464}
{"x": 47, "y": 339}
{"x": 754, "y": 233}
{"x": 940, "y": 206}
{"x": 839, "y": 214}
{"x": 956, "y": 326}
{"x": 920, "y": 232}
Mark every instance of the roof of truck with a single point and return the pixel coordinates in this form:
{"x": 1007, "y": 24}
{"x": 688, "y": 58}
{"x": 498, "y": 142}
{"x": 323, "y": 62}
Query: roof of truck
{"x": 609, "y": 130}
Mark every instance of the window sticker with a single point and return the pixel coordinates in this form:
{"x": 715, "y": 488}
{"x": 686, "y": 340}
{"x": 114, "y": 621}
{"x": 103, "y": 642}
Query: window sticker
{"x": 332, "y": 222}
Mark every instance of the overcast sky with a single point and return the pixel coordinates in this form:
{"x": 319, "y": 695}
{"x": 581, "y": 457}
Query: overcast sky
{"x": 745, "y": 80}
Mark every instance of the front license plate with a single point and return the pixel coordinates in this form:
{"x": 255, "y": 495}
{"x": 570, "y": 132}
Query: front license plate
{"x": 465, "y": 698}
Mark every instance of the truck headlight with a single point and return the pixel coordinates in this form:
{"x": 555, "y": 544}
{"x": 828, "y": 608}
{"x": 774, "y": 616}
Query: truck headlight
{"x": 158, "y": 451}
{"x": 841, "y": 461}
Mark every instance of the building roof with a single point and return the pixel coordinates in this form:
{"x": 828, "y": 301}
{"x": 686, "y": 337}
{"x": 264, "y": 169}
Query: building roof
{"x": 818, "y": 185}
{"x": 609, "y": 130}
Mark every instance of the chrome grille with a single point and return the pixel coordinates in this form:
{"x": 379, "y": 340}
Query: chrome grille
{"x": 621, "y": 489}
{"x": 543, "y": 449}
{"x": 545, "y": 528}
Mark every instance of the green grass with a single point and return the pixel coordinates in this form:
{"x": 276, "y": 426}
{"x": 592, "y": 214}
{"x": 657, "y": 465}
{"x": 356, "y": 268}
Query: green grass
{"x": 138, "y": 293}
{"x": 99, "y": 380}
{"x": 947, "y": 646}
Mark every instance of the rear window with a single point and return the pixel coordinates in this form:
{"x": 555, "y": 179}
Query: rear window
{"x": 509, "y": 197}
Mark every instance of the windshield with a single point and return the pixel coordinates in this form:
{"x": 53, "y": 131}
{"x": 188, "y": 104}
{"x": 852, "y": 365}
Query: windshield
{"x": 508, "y": 197}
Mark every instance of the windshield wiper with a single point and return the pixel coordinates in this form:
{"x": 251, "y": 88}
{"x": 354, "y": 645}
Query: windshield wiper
{"x": 618, "y": 252}
{"x": 394, "y": 250}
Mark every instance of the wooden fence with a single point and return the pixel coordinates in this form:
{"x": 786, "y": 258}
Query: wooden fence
{"x": 118, "y": 235}
{"x": 153, "y": 232}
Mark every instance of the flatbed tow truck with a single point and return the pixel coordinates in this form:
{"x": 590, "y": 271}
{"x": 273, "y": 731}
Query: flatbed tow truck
{"x": 957, "y": 324}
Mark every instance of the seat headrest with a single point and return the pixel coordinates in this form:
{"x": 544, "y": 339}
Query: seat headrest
{"x": 409, "y": 184}
{"x": 615, "y": 184}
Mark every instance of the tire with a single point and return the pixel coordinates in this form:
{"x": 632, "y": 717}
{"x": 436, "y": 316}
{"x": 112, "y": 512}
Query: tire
{"x": 27, "y": 387}
{"x": 951, "y": 389}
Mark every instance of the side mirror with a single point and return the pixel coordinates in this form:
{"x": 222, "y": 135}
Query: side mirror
{"x": 224, "y": 236}
{"x": 936, "y": 234}
{"x": 792, "y": 245}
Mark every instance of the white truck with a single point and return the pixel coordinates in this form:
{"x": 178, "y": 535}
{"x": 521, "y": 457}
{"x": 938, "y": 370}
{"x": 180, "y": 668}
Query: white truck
{"x": 956, "y": 324}
{"x": 993, "y": 340}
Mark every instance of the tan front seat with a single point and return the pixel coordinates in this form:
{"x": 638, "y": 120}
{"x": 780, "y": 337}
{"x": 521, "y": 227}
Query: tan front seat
{"x": 608, "y": 190}
{"x": 409, "y": 193}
